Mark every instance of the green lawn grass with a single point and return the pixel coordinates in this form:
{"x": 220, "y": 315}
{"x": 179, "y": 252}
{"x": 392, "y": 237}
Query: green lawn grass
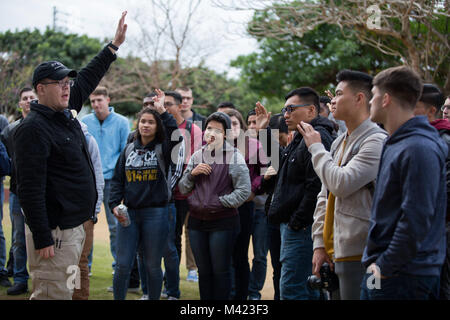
{"x": 101, "y": 269}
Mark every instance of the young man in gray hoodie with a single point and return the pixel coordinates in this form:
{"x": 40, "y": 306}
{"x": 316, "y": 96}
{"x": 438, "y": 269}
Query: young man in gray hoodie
{"x": 347, "y": 173}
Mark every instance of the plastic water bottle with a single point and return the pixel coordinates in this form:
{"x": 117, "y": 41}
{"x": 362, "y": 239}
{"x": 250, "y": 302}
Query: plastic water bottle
{"x": 123, "y": 211}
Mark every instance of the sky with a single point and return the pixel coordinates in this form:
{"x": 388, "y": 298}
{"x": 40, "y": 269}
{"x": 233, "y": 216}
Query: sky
{"x": 218, "y": 35}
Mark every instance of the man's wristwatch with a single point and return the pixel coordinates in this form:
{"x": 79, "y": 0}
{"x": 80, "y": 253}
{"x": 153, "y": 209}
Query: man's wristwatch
{"x": 112, "y": 46}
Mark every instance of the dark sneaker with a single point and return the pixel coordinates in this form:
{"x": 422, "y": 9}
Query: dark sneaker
{"x": 17, "y": 288}
{"x": 4, "y": 281}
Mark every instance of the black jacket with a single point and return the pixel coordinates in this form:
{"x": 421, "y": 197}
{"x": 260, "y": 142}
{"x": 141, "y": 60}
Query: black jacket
{"x": 55, "y": 176}
{"x": 296, "y": 184}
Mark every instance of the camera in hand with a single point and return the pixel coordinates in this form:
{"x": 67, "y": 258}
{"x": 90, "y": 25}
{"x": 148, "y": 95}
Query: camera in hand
{"x": 328, "y": 279}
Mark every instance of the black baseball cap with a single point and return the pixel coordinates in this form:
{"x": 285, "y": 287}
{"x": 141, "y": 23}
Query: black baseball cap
{"x": 54, "y": 70}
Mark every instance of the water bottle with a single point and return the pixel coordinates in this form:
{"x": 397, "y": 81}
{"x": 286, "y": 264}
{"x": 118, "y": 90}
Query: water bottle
{"x": 123, "y": 211}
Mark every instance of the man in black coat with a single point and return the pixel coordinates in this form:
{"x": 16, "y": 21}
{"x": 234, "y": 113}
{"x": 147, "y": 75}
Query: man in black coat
{"x": 295, "y": 193}
{"x": 55, "y": 176}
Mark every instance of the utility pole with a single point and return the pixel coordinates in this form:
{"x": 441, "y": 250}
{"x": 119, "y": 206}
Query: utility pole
{"x": 54, "y": 18}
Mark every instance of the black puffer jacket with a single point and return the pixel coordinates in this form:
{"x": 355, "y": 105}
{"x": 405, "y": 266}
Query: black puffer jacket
{"x": 297, "y": 185}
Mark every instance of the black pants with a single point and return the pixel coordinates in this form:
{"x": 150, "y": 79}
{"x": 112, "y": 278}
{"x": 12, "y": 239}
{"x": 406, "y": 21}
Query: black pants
{"x": 240, "y": 252}
{"x": 182, "y": 208}
{"x": 274, "y": 248}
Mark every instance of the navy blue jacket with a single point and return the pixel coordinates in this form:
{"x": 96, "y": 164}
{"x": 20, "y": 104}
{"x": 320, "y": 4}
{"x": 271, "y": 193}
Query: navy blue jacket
{"x": 407, "y": 226}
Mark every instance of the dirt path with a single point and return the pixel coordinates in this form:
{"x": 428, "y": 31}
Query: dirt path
{"x": 101, "y": 233}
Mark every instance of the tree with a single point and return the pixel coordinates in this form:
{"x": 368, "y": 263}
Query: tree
{"x": 417, "y": 32}
{"x": 312, "y": 60}
{"x": 22, "y": 51}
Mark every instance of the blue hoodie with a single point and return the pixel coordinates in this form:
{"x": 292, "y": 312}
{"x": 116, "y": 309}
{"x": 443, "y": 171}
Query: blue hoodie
{"x": 407, "y": 225}
{"x": 111, "y": 137}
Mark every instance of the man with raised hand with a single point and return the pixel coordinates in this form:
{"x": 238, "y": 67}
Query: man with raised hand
{"x": 55, "y": 175}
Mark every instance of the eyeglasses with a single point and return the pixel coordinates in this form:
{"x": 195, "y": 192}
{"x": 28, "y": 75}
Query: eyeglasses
{"x": 61, "y": 83}
{"x": 168, "y": 104}
{"x": 446, "y": 106}
{"x": 291, "y": 107}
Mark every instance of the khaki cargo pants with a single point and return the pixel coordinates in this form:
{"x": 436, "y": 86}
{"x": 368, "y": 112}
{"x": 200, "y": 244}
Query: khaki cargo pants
{"x": 56, "y": 278}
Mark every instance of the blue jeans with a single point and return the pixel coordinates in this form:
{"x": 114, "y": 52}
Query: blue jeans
{"x": 19, "y": 243}
{"x": 296, "y": 264}
{"x": 260, "y": 241}
{"x": 149, "y": 228}
{"x": 212, "y": 252}
{"x": 401, "y": 287}
{"x": 3, "y": 270}
{"x": 171, "y": 260}
{"x": 112, "y": 223}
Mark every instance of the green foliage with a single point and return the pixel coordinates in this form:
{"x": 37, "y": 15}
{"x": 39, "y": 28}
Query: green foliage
{"x": 71, "y": 49}
{"x": 313, "y": 60}
{"x": 22, "y": 51}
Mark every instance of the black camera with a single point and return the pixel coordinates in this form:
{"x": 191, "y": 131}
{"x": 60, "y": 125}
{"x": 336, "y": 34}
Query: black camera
{"x": 328, "y": 279}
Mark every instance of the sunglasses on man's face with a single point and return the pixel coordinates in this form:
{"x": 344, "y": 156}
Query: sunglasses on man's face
{"x": 291, "y": 107}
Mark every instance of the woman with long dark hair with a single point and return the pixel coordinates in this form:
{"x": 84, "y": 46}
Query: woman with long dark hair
{"x": 140, "y": 181}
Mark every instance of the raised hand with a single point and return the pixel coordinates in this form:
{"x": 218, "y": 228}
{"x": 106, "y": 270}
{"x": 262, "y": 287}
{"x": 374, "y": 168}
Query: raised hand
{"x": 119, "y": 38}
{"x": 262, "y": 116}
{"x": 159, "y": 101}
{"x": 310, "y": 136}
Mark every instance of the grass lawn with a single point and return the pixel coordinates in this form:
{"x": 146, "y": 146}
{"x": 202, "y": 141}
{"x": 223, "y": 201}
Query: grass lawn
{"x": 101, "y": 267}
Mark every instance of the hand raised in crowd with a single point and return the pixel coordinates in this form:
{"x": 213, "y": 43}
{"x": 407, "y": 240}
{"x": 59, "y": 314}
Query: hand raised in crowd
{"x": 201, "y": 168}
{"x": 310, "y": 136}
{"x": 262, "y": 117}
{"x": 330, "y": 95}
{"x": 290, "y": 137}
{"x": 119, "y": 37}
{"x": 269, "y": 173}
{"x": 159, "y": 101}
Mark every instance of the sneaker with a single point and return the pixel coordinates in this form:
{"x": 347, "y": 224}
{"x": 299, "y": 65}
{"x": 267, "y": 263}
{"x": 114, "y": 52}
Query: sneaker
{"x": 4, "y": 281}
{"x": 90, "y": 274}
{"x": 192, "y": 276}
{"x": 17, "y": 288}
{"x": 134, "y": 290}
{"x": 172, "y": 298}
{"x": 144, "y": 297}
{"x": 131, "y": 290}
{"x": 164, "y": 294}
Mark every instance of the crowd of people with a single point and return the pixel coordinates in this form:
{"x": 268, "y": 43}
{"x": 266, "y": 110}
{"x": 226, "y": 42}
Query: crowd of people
{"x": 347, "y": 191}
